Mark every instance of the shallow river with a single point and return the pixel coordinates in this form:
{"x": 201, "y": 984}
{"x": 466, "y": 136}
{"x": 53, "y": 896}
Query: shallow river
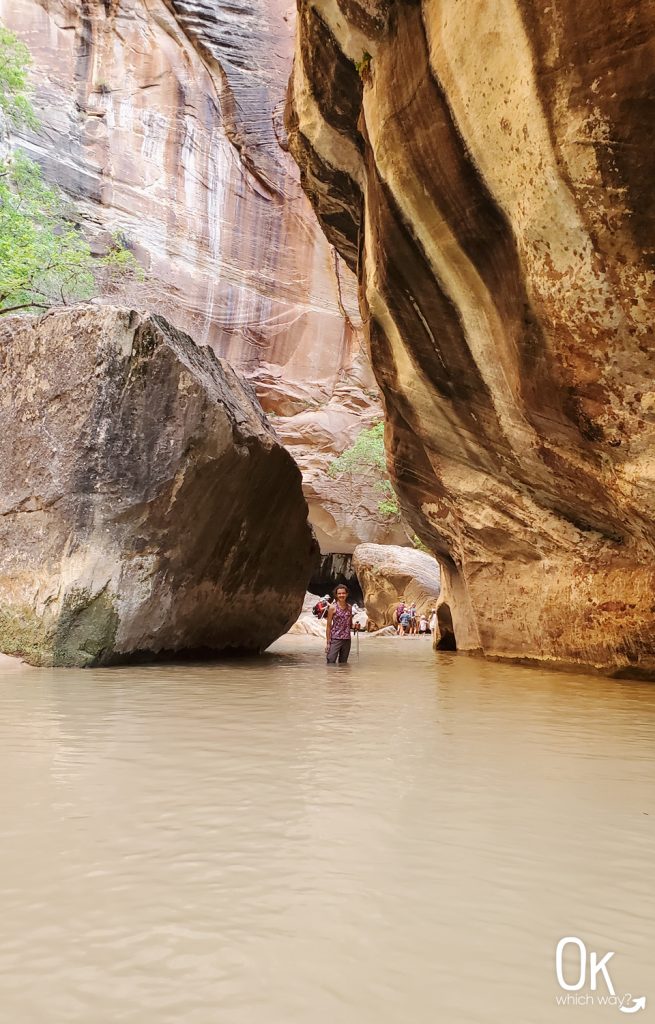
{"x": 400, "y": 841}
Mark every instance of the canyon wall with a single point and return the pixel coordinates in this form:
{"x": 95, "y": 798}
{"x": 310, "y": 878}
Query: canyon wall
{"x": 486, "y": 169}
{"x": 162, "y": 119}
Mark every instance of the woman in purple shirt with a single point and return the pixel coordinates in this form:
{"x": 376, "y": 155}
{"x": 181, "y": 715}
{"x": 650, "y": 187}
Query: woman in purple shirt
{"x": 339, "y": 626}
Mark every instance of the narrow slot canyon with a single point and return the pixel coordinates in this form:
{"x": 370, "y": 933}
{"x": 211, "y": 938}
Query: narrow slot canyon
{"x": 327, "y": 493}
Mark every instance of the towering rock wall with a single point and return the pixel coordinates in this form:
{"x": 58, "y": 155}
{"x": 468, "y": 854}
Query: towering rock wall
{"x": 153, "y": 135}
{"x": 487, "y": 168}
{"x": 163, "y": 120}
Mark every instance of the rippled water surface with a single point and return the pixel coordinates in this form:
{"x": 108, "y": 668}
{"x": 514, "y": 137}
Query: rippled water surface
{"x": 401, "y": 841}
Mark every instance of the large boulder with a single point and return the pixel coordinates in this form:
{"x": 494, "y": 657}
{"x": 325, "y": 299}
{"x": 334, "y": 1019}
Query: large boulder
{"x": 486, "y": 169}
{"x": 146, "y": 505}
{"x": 388, "y": 573}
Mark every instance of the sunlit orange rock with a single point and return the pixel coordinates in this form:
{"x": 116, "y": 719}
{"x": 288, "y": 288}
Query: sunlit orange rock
{"x": 486, "y": 169}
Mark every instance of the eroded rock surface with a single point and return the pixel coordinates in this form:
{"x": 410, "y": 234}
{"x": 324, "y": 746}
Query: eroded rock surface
{"x": 163, "y": 120}
{"x": 333, "y": 570}
{"x": 344, "y": 511}
{"x": 487, "y": 169}
{"x": 388, "y": 573}
{"x": 147, "y": 506}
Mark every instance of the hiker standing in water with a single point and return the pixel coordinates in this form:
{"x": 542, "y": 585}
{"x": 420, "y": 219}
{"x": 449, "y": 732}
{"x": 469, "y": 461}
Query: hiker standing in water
{"x": 339, "y": 626}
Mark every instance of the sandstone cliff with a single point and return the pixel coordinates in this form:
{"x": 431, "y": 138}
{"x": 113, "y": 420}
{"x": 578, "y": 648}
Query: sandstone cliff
{"x": 163, "y": 120}
{"x": 389, "y": 574}
{"x": 487, "y": 170}
{"x": 146, "y": 506}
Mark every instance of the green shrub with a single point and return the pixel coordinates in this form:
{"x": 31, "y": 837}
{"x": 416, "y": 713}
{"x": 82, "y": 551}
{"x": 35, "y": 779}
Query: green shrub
{"x": 363, "y": 66}
{"x": 44, "y": 259}
{"x": 14, "y": 87}
{"x": 365, "y": 454}
{"x": 365, "y": 461}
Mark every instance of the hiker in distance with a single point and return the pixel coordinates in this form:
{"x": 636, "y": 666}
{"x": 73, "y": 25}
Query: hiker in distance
{"x": 339, "y": 626}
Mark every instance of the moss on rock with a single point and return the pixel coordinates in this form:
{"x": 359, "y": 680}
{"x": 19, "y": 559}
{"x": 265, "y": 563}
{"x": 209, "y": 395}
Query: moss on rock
{"x": 86, "y": 629}
{"x": 83, "y": 635}
{"x": 23, "y": 634}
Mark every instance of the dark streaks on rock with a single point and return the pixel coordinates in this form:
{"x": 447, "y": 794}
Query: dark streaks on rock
{"x": 504, "y": 247}
{"x": 169, "y": 518}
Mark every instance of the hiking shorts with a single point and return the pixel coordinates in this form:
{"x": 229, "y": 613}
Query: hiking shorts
{"x": 338, "y": 651}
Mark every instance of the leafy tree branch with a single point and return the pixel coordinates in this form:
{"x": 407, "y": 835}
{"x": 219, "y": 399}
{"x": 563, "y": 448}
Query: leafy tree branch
{"x": 44, "y": 259}
{"x": 365, "y": 460}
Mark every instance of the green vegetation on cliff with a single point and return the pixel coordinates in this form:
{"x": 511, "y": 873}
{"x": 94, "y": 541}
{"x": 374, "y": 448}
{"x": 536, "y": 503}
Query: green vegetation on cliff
{"x": 366, "y": 459}
{"x": 44, "y": 259}
{"x": 82, "y": 634}
{"x": 14, "y": 62}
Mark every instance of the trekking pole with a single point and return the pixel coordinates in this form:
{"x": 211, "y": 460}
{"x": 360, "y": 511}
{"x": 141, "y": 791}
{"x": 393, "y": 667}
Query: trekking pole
{"x": 357, "y": 635}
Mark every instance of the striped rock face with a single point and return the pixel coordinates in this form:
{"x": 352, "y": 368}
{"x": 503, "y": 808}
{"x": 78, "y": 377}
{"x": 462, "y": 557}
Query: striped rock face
{"x": 163, "y": 120}
{"x": 486, "y": 169}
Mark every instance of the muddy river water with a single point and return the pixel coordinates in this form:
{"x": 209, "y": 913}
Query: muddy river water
{"x": 401, "y": 841}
